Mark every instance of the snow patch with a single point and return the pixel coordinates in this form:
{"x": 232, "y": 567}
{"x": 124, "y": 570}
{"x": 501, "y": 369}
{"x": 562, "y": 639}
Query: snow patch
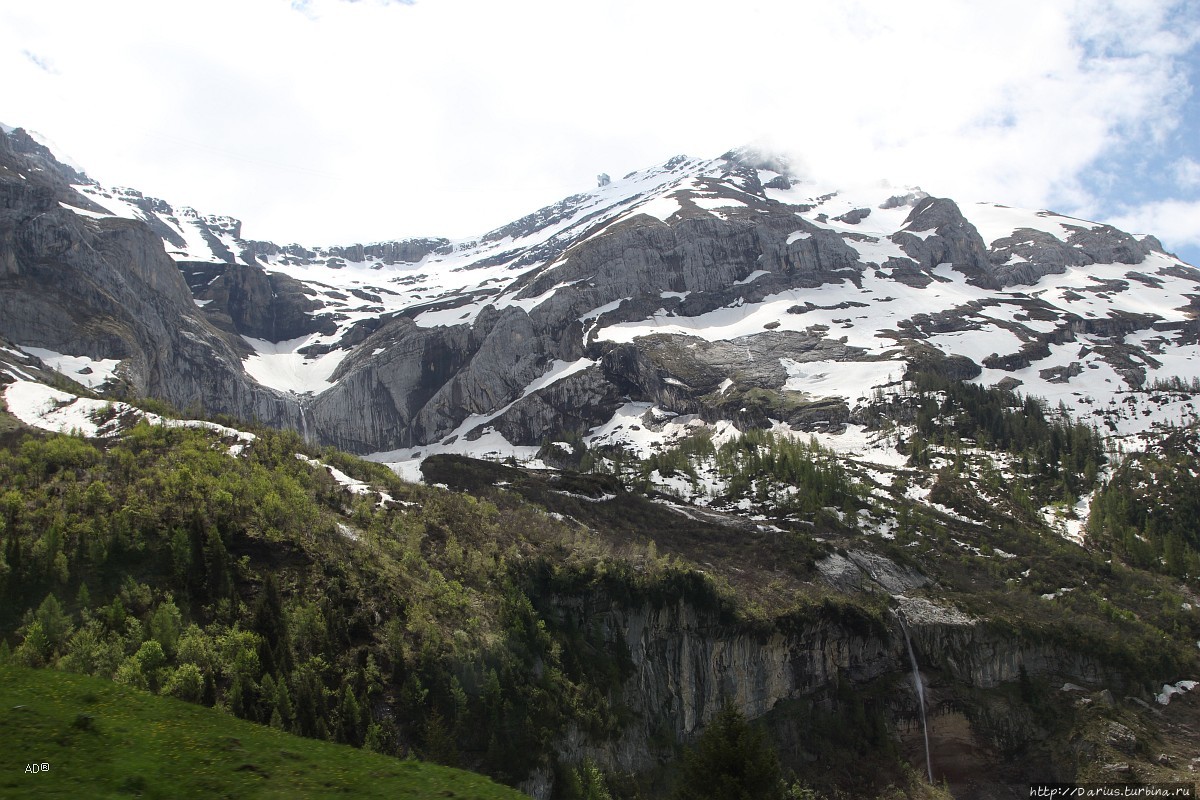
{"x": 662, "y": 208}
{"x": 280, "y": 365}
{"x": 353, "y": 485}
{"x": 853, "y": 380}
{"x": 90, "y": 372}
{"x": 1169, "y": 690}
{"x": 49, "y": 409}
{"x": 83, "y": 212}
{"x": 752, "y": 277}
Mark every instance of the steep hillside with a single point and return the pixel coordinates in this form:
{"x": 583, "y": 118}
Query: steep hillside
{"x": 542, "y": 626}
{"x": 99, "y": 300}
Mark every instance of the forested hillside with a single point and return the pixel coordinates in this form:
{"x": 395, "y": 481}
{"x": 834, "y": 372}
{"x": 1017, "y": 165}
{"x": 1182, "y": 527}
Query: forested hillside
{"x": 488, "y": 625}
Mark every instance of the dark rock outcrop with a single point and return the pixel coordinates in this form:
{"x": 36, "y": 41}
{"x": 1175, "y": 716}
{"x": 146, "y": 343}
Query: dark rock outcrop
{"x": 251, "y": 302}
{"x": 1028, "y": 254}
{"x": 854, "y": 216}
{"x": 403, "y": 251}
{"x": 949, "y": 239}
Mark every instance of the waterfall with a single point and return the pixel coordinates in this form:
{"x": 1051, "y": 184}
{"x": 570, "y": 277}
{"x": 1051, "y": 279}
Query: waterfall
{"x": 916, "y": 673}
{"x": 304, "y": 425}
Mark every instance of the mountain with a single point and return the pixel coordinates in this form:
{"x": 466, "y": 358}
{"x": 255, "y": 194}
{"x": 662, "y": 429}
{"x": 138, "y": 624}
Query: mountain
{"x": 668, "y": 293}
{"x": 872, "y": 467}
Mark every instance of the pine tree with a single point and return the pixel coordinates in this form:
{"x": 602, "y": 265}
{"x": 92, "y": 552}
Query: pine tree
{"x": 166, "y": 625}
{"x": 274, "y": 652}
{"x": 283, "y": 704}
{"x": 731, "y": 761}
{"x": 349, "y": 718}
{"x": 440, "y": 746}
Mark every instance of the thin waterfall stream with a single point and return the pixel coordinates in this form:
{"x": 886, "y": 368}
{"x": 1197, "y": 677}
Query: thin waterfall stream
{"x": 916, "y": 673}
{"x": 304, "y": 425}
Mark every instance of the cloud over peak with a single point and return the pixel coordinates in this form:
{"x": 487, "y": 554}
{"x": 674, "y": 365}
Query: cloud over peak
{"x": 367, "y": 120}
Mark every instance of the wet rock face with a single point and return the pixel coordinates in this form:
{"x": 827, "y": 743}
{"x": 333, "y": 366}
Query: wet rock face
{"x": 377, "y": 399}
{"x": 978, "y": 656}
{"x": 575, "y": 404}
{"x": 685, "y": 665}
{"x": 426, "y": 381}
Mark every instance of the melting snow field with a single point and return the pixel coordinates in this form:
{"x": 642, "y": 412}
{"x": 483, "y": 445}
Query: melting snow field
{"x": 1076, "y": 372}
{"x": 995, "y": 221}
{"x": 279, "y": 365}
{"x": 1071, "y": 524}
{"x": 52, "y": 410}
{"x": 490, "y": 445}
{"x": 874, "y": 447}
{"x": 49, "y": 409}
{"x": 81, "y": 369}
{"x": 352, "y": 485}
{"x": 1169, "y": 690}
{"x": 661, "y": 208}
{"x": 853, "y": 380}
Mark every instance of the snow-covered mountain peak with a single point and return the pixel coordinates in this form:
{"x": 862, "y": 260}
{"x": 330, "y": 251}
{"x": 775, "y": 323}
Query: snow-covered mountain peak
{"x": 696, "y": 291}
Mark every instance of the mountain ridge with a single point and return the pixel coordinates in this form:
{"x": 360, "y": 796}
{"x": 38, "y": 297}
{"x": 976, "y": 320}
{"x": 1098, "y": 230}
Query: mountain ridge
{"x": 529, "y": 324}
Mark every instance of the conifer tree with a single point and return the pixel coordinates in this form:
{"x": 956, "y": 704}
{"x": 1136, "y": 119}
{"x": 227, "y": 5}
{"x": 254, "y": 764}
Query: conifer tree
{"x": 731, "y": 761}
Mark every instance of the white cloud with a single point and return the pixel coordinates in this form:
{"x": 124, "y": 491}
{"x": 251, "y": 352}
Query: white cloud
{"x": 40, "y": 62}
{"x": 369, "y": 120}
{"x": 1187, "y": 173}
{"x": 1175, "y": 222}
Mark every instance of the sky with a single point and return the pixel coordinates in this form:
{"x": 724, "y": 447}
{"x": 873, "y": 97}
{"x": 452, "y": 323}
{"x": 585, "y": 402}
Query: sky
{"x": 343, "y": 121}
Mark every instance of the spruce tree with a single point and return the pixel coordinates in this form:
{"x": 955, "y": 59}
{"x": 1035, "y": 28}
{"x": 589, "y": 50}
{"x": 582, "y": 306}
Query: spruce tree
{"x": 731, "y": 761}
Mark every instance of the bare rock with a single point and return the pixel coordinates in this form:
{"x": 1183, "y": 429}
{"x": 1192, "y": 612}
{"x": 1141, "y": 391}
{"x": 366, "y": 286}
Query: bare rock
{"x": 1120, "y": 738}
{"x": 854, "y": 216}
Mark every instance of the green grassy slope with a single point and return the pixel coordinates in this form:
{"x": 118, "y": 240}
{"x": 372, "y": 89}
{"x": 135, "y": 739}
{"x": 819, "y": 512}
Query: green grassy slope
{"x": 102, "y": 739}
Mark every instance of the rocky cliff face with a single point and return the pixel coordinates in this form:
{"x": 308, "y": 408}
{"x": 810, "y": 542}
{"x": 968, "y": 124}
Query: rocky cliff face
{"x": 250, "y": 302}
{"x": 685, "y": 664}
{"x": 77, "y": 282}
